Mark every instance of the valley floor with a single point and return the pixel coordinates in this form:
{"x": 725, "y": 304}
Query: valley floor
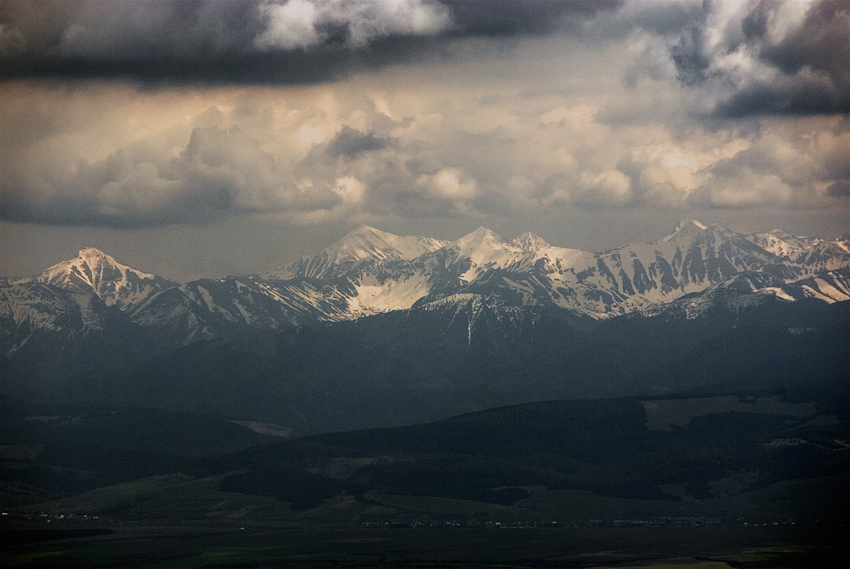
{"x": 696, "y": 547}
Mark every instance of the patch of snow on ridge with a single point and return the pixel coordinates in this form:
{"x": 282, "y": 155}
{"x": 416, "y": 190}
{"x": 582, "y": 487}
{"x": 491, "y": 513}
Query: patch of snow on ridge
{"x": 375, "y": 297}
{"x": 777, "y": 292}
{"x": 830, "y": 293}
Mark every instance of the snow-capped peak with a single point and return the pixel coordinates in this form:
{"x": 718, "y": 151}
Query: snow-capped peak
{"x": 93, "y": 271}
{"x": 690, "y": 222}
{"x": 481, "y": 237}
{"x": 361, "y": 244}
{"x": 89, "y": 264}
{"x": 530, "y": 242}
{"x": 91, "y": 253}
{"x": 485, "y": 249}
{"x": 686, "y": 227}
{"x": 815, "y": 253}
{"x": 366, "y": 242}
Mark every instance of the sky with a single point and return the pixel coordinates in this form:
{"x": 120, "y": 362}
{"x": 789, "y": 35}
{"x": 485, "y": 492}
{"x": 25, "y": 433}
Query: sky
{"x": 210, "y": 138}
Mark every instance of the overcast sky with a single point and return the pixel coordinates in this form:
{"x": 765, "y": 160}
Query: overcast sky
{"x": 206, "y": 138}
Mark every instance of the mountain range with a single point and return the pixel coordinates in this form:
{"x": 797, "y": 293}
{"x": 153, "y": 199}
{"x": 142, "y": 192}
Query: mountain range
{"x": 380, "y": 329}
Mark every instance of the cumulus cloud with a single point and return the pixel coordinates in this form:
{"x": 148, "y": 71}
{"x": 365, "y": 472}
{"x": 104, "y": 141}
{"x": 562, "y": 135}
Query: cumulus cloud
{"x": 607, "y": 188}
{"x": 737, "y": 58}
{"x": 218, "y": 173}
{"x": 557, "y": 123}
{"x": 350, "y": 189}
{"x": 840, "y": 188}
{"x": 450, "y": 183}
{"x": 666, "y": 173}
{"x": 302, "y": 23}
{"x": 496, "y": 18}
{"x": 768, "y": 58}
{"x": 744, "y": 189}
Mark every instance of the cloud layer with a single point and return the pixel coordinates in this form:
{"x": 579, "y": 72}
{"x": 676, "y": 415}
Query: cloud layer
{"x": 496, "y": 109}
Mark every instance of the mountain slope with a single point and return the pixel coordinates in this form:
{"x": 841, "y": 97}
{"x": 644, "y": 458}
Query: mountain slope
{"x": 207, "y": 309}
{"x": 28, "y": 308}
{"x": 813, "y": 254}
{"x": 470, "y": 352}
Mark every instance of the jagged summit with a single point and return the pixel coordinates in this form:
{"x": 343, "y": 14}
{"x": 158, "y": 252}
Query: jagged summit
{"x": 686, "y": 227}
{"x": 530, "y": 242}
{"x": 93, "y": 253}
{"x": 685, "y": 223}
{"x": 364, "y": 243}
{"x": 477, "y": 238}
{"x": 781, "y": 243}
{"x": 95, "y": 271}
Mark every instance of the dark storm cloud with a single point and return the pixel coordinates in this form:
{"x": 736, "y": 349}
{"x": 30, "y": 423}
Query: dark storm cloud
{"x": 351, "y": 142}
{"x": 194, "y": 41}
{"x": 509, "y": 17}
{"x": 773, "y": 58}
{"x": 251, "y": 41}
{"x": 802, "y": 94}
{"x": 656, "y": 17}
{"x": 840, "y": 189}
{"x": 822, "y": 43}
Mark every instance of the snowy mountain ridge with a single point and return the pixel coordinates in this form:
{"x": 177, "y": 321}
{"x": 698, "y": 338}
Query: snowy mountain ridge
{"x": 813, "y": 253}
{"x": 369, "y": 272}
{"x": 364, "y": 243}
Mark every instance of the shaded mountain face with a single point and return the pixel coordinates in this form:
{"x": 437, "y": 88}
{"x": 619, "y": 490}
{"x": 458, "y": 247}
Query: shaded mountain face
{"x": 380, "y": 329}
{"x": 459, "y": 354}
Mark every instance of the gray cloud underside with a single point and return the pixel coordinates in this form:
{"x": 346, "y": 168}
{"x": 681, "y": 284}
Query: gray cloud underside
{"x": 251, "y": 41}
{"x": 764, "y": 61}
